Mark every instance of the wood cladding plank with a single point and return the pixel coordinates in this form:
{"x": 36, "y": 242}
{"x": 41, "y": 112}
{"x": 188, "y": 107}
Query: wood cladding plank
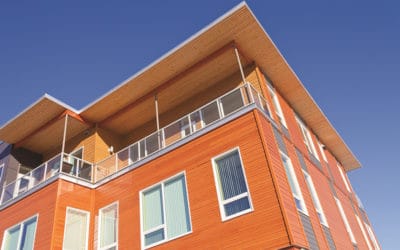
{"x": 261, "y": 228}
{"x": 289, "y": 207}
{"x": 42, "y": 203}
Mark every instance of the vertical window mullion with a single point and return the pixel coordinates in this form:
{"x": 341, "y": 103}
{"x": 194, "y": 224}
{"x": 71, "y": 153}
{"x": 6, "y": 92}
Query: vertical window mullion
{"x": 163, "y": 211}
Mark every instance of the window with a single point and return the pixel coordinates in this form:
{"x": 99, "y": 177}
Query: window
{"x": 294, "y": 184}
{"x": 315, "y": 199}
{"x": 277, "y": 106}
{"x": 76, "y": 229}
{"x": 346, "y": 222}
{"x": 321, "y": 149}
{"x": 363, "y": 232}
{"x": 344, "y": 178}
{"x": 232, "y": 189}
{"x": 307, "y": 138}
{"x": 165, "y": 211}
{"x": 21, "y": 236}
{"x": 372, "y": 236}
{"x": 108, "y": 227}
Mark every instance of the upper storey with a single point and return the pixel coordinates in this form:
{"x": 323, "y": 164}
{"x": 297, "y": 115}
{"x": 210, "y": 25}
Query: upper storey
{"x": 186, "y": 71}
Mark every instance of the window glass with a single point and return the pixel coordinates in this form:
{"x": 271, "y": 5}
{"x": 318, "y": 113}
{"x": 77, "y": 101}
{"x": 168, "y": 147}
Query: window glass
{"x": 165, "y": 211}
{"x": 315, "y": 199}
{"x": 21, "y": 236}
{"x": 108, "y": 227}
{"x": 231, "y": 184}
{"x": 293, "y": 183}
{"x": 346, "y": 222}
{"x": 76, "y": 229}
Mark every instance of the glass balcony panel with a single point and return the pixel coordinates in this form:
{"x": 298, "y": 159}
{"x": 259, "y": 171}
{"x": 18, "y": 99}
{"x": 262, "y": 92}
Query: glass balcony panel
{"x": 152, "y": 143}
{"x": 142, "y": 148}
{"x": 23, "y": 184}
{"x": 245, "y": 95}
{"x": 172, "y": 133}
{"x": 105, "y": 168}
{"x": 85, "y": 170}
{"x": 123, "y": 158}
{"x": 134, "y": 153}
{"x": 38, "y": 175}
{"x": 195, "y": 120}
{"x": 53, "y": 166}
{"x": 232, "y": 102}
{"x": 8, "y": 192}
{"x": 210, "y": 113}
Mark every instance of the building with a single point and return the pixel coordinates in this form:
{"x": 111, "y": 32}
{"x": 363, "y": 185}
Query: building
{"x": 217, "y": 144}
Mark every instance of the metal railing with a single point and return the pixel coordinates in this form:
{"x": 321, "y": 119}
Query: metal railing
{"x": 195, "y": 121}
{"x": 67, "y": 164}
{"x": 225, "y": 105}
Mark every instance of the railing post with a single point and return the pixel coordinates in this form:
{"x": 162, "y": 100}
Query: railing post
{"x": 116, "y": 163}
{"x": 249, "y": 92}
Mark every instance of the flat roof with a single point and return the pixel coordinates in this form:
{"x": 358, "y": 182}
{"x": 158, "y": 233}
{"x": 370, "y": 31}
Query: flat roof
{"x": 238, "y": 26}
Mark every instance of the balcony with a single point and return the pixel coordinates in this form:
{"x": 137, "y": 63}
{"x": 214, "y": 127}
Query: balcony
{"x": 193, "y": 123}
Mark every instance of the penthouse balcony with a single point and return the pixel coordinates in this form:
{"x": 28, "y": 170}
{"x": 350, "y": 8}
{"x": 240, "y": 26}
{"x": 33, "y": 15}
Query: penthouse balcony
{"x": 209, "y": 116}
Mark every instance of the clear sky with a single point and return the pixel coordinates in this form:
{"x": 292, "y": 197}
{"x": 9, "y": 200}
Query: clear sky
{"x": 345, "y": 52}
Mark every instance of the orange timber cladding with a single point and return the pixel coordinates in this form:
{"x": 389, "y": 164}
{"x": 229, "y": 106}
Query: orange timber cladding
{"x": 275, "y": 222}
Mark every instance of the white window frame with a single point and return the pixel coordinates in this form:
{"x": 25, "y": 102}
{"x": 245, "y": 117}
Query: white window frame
{"x": 363, "y": 232}
{"x": 277, "y": 105}
{"x": 20, "y": 224}
{"x": 321, "y": 149}
{"x": 162, "y": 184}
{"x": 346, "y": 183}
{"x": 315, "y": 199}
{"x": 372, "y": 236}
{"x": 222, "y": 202}
{"x": 87, "y": 213}
{"x": 297, "y": 194}
{"x": 346, "y": 222}
{"x": 115, "y": 244}
{"x": 308, "y": 141}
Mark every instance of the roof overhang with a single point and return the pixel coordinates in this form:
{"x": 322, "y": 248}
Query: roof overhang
{"x": 40, "y": 127}
{"x": 239, "y": 26}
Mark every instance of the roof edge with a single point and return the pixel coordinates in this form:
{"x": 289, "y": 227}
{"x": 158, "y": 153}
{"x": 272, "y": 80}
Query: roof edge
{"x": 168, "y": 53}
{"x": 43, "y": 97}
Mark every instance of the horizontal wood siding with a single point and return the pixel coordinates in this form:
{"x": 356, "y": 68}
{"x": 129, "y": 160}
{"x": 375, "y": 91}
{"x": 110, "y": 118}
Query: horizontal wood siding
{"x": 289, "y": 207}
{"x": 262, "y": 228}
{"x": 75, "y": 196}
{"x": 43, "y": 203}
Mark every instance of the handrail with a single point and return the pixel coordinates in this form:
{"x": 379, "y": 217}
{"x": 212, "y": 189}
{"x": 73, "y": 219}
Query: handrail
{"x": 204, "y": 116}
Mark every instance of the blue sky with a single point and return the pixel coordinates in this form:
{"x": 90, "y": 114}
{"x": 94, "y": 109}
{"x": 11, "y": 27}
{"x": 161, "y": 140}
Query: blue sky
{"x": 345, "y": 52}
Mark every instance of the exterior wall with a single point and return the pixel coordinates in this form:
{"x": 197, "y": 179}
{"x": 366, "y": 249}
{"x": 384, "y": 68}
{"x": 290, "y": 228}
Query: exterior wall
{"x": 321, "y": 174}
{"x": 75, "y": 196}
{"x": 42, "y": 203}
{"x": 262, "y": 228}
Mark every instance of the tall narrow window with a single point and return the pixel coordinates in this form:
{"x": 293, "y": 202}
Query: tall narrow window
{"x": 21, "y": 236}
{"x": 165, "y": 211}
{"x": 76, "y": 229}
{"x": 363, "y": 232}
{"x": 232, "y": 189}
{"x": 346, "y": 222}
{"x": 322, "y": 150}
{"x": 372, "y": 237}
{"x": 277, "y": 106}
{"x": 315, "y": 199}
{"x": 108, "y": 227}
{"x": 294, "y": 184}
{"x": 344, "y": 178}
{"x": 307, "y": 138}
